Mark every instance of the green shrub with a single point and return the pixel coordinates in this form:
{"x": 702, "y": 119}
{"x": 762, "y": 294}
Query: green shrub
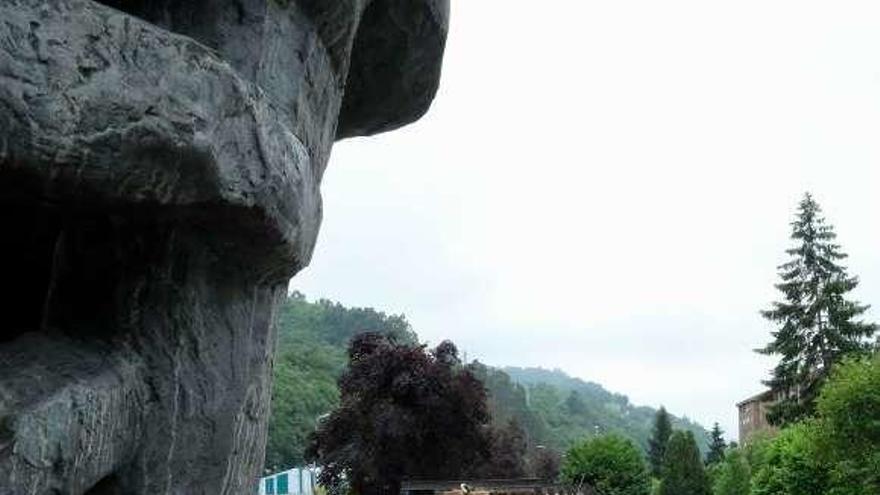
{"x": 848, "y": 433}
{"x": 837, "y": 452}
{"x": 610, "y": 463}
{"x": 732, "y": 476}
{"x": 790, "y": 465}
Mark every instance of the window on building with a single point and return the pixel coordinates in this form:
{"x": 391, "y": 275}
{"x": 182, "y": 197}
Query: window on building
{"x": 281, "y": 484}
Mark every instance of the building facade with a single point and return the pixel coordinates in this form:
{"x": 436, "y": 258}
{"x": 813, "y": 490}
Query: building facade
{"x": 297, "y": 481}
{"x": 753, "y": 415}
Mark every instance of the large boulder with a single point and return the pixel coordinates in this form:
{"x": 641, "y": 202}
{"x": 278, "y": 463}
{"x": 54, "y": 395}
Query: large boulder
{"x": 160, "y": 163}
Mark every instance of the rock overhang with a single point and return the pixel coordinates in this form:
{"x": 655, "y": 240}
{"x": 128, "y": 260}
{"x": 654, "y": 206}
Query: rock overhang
{"x": 160, "y": 163}
{"x": 394, "y": 72}
{"x": 150, "y": 106}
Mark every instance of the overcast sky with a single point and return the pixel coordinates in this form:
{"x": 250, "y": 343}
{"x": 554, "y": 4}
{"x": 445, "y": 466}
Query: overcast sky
{"x": 605, "y": 187}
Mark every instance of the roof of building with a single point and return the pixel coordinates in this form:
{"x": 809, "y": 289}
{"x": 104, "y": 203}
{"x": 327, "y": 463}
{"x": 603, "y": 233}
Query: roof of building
{"x": 764, "y": 396}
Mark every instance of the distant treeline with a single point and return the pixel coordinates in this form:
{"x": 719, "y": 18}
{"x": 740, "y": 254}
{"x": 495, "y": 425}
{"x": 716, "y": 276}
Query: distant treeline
{"x": 559, "y": 410}
{"x": 554, "y": 409}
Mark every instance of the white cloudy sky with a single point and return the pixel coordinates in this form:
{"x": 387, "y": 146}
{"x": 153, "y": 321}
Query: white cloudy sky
{"x": 605, "y": 187}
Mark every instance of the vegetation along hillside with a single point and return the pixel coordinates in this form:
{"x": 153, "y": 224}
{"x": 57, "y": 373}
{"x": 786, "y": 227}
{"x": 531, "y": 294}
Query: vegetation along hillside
{"x": 552, "y": 408}
{"x": 571, "y": 409}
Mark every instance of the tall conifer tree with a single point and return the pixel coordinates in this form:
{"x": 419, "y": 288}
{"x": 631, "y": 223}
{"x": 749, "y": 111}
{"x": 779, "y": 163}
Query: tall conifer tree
{"x": 717, "y": 445}
{"x": 659, "y": 438}
{"x": 683, "y": 471}
{"x": 816, "y": 324}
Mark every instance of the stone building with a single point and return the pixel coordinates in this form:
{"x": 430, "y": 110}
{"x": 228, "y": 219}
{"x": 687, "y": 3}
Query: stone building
{"x": 753, "y": 415}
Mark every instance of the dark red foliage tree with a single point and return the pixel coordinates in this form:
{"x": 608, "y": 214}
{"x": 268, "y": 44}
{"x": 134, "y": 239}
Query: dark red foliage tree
{"x": 544, "y": 463}
{"x": 405, "y": 412}
{"x": 508, "y": 452}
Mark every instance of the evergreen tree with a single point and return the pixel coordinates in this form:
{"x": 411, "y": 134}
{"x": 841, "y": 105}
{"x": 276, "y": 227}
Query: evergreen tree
{"x": 683, "y": 471}
{"x": 717, "y": 446}
{"x": 817, "y": 325}
{"x": 659, "y": 439}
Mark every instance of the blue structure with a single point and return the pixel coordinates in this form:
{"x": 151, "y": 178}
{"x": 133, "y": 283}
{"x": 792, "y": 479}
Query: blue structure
{"x": 296, "y": 481}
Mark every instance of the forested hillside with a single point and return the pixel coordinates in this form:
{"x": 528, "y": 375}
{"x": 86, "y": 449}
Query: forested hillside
{"x": 553, "y": 408}
{"x": 572, "y": 408}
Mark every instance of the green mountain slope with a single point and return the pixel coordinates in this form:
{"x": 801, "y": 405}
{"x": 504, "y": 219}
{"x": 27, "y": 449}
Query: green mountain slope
{"x": 572, "y": 408}
{"x": 553, "y": 408}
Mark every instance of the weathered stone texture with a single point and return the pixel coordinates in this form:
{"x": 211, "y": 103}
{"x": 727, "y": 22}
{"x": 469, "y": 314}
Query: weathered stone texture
{"x": 160, "y": 165}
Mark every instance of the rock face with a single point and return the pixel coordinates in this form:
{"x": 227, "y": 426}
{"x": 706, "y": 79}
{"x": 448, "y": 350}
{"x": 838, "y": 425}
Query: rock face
{"x": 159, "y": 171}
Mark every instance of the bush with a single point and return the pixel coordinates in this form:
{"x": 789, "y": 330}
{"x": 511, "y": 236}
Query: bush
{"x": 790, "y": 465}
{"x": 836, "y": 453}
{"x": 610, "y": 463}
{"x": 732, "y": 476}
{"x": 848, "y": 432}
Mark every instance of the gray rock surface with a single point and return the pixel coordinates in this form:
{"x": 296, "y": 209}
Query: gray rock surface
{"x": 160, "y": 165}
